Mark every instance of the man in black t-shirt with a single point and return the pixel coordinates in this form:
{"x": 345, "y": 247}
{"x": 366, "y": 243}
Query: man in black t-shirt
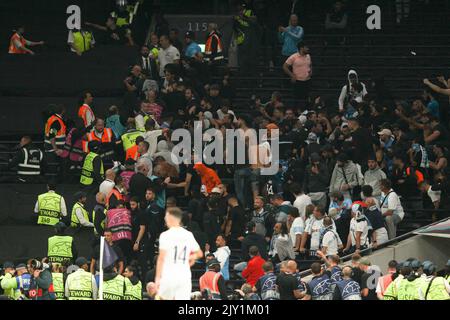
{"x": 287, "y": 282}
{"x": 120, "y": 262}
{"x": 235, "y": 223}
{"x": 369, "y": 280}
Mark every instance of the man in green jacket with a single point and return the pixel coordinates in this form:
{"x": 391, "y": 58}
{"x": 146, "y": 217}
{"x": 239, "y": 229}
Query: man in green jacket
{"x": 8, "y": 281}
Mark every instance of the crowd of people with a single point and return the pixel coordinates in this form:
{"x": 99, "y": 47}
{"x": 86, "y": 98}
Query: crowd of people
{"x": 349, "y": 172}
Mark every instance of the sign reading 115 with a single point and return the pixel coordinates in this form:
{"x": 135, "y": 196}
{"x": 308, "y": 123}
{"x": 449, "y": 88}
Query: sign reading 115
{"x": 197, "y": 26}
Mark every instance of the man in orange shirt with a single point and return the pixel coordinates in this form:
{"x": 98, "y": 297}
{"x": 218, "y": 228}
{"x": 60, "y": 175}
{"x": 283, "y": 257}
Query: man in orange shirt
{"x": 18, "y": 44}
{"x": 301, "y": 73}
{"x": 85, "y": 111}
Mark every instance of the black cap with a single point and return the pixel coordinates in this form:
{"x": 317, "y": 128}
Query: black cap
{"x": 212, "y": 262}
{"x": 81, "y": 261}
{"x": 21, "y": 266}
{"x": 190, "y": 35}
{"x": 343, "y": 157}
{"x": 8, "y": 264}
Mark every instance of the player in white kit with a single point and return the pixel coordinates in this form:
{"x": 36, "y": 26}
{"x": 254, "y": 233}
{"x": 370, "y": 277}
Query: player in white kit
{"x": 178, "y": 251}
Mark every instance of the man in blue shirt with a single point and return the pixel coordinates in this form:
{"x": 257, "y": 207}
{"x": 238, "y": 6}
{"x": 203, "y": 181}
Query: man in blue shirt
{"x": 432, "y": 103}
{"x": 192, "y": 48}
{"x": 290, "y": 37}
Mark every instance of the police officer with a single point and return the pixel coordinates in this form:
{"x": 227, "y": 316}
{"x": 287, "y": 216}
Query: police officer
{"x": 129, "y": 138}
{"x": 61, "y": 248}
{"x": 319, "y": 288}
{"x": 212, "y": 282}
{"x": 123, "y": 13}
{"x": 80, "y": 216}
{"x": 29, "y": 161}
{"x": 81, "y": 41}
{"x": 133, "y": 287}
{"x": 113, "y": 284}
{"x": 391, "y": 292}
{"x": 408, "y": 288}
{"x": 92, "y": 173}
{"x": 433, "y": 287}
{"x": 58, "y": 277}
{"x": 81, "y": 284}
{"x": 50, "y": 207}
{"x": 347, "y": 288}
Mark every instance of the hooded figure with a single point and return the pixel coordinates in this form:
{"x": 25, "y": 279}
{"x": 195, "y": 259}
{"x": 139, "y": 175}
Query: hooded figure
{"x": 209, "y": 177}
{"x": 353, "y": 91}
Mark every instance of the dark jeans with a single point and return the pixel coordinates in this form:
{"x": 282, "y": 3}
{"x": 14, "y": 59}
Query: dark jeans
{"x": 302, "y": 89}
{"x": 242, "y": 186}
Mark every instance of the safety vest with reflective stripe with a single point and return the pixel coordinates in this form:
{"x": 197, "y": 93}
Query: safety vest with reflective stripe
{"x": 58, "y": 285}
{"x": 208, "y": 48}
{"x": 12, "y": 47}
{"x": 60, "y": 249}
{"x": 74, "y": 221}
{"x": 31, "y": 165}
{"x": 117, "y": 194}
{"x": 82, "y": 41}
{"x": 49, "y": 208}
{"x": 60, "y": 137}
{"x": 409, "y": 290}
{"x": 132, "y": 292}
{"x": 80, "y": 285}
{"x": 114, "y": 289}
{"x": 74, "y": 151}
{"x": 210, "y": 281}
{"x": 132, "y": 153}
{"x": 129, "y": 139}
{"x": 87, "y": 173}
{"x": 107, "y": 135}
{"x": 436, "y": 291}
{"x": 82, "y": 113}
{"x": 419, "y": 175}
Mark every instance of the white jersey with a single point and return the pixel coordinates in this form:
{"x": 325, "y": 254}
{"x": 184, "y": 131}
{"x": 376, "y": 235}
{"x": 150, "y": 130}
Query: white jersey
{"x": 179, "y": 244}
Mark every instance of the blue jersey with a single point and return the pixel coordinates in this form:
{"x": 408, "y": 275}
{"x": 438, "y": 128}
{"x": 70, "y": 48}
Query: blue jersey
{"x": 320, "y": 288}
{"x": 267, "y": 287}
{"x": 349, "y": 289}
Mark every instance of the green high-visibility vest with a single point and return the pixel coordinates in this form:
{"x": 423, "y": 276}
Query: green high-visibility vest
{"x": 409, "y": 290}
{"x": 132, "y": 292}
{"x": 87, "y": 173}
{"x": 437, "y": 290}
{"x": 391, "y": 292}
{"x": 102, "y": 224}
{"x": 74, "y": 219}
{"x": 114, "y": 289}
{"x": 80, "y": 285}
{"x": 82, "y": 41}
{"x": 129, "y": 139}
{"x": 49, "y": 208}
{"x": 60, "y": 249}
{"x": 58, "y": 285}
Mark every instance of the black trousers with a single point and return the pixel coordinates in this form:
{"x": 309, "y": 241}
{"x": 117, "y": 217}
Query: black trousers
{"x": 302, "y": 90}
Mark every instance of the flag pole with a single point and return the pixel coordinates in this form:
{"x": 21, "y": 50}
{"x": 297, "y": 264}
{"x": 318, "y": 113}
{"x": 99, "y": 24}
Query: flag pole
{"x": 100, "y": 282}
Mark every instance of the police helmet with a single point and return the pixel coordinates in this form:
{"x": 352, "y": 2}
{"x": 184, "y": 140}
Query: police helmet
{"x": 429, "y": 268}
{"x": 415, "y": 264}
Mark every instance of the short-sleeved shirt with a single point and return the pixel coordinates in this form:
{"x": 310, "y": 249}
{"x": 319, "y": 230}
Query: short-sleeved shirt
{"x": 298, "y": 226}
{"x": 367, "y": 282}
{"x": 315, "y": 228}
{"x": 179, "y": 244}
{"x": 332, "y": 241}
{"x": 117, "y": 250}
{"x": 392, "y": 203}
{"x": 301, "y": 66}
{"x": 166, "y": 56}
{"x": 359, "y": 226}
{"x": 287, "y": 284}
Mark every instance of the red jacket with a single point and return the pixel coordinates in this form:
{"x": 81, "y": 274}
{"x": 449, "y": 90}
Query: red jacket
{"x": 254, "y": 270}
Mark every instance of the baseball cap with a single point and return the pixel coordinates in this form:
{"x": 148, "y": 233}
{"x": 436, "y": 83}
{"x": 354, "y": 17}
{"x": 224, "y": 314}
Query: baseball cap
{"x": 342, "y": 157}
{"x": 81, "y": 261}
{"x": 21, "y": 266}
{"x": 365, "y": 261}
{"x": 385, "y": 132}
{"x": 189, "y": 35}
{"x": 8, "y": 264}
{"x": 212, "y": 262}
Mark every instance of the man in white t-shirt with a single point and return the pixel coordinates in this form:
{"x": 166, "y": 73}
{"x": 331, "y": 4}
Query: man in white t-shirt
{"x": 391, "y": 208}
{"x": 435, "y": 196}
{"x": 296, "y": 227}
{"x": 331, "y": 242}
{"x": 167, "y": 54}
{"x": 313, "y": 229}
{"x": 301, "y": 200}
{"x": 359, "y": 230}
{"x": 108, "y": 184}
{"x": 178, "y": 251}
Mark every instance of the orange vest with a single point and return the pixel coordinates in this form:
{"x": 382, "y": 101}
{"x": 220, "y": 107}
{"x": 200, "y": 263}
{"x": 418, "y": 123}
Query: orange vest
{"x": 106, "y": 138}
{"x": 116, "y": 193}
{"x": 132, "y": 153}
{"x": 208, "y": 46}
{"x": 210, "y": 281}
{"x": 60, "y": 138}
{"x": 82, "y": 111}
{"x": 12, "y": 47}
{"x": 385, "y": 282}
{"x": 419, "y": 175}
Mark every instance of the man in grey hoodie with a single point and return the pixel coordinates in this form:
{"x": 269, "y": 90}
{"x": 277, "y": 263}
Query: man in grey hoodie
{"x": 346, "y": 176}
{"x": 353, "y": 90}
{"x": 373, "y": 176}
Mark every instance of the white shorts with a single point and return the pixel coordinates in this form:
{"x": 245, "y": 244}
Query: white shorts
{"x": 382, "y": 236}
{"x": 174, "y": 289}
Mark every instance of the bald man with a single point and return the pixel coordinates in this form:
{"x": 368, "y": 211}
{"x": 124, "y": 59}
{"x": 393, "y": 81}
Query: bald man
{"x": 287, "y": 282}
{"x": 99, "y": 213}
{"x": 108, "y": 184}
